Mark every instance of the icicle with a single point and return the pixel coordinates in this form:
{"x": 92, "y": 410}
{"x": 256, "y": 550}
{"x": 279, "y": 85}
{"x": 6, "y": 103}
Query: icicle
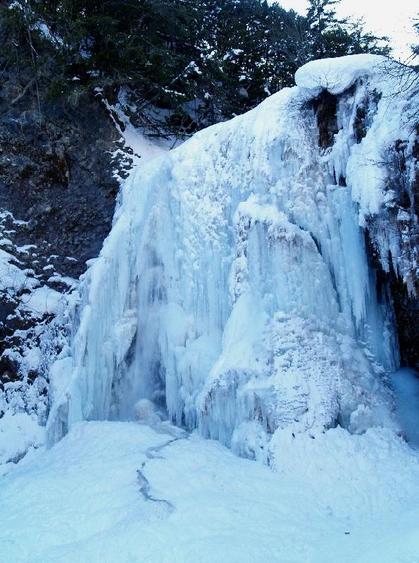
{"x": 234, "y": 290}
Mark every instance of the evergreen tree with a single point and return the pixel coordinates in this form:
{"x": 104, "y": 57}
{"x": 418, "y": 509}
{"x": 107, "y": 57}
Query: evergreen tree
{"x": 201, "y": 61}
{"x": 321, "y": 22}
{"x": 415, "y": 47}
{"x": 332, "y": 37}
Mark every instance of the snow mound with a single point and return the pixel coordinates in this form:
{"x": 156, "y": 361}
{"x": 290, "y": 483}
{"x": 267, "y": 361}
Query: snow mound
{"x": 337, "y": 74}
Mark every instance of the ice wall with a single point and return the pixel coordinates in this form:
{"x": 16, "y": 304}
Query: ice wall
{"x": 234, "y": 289}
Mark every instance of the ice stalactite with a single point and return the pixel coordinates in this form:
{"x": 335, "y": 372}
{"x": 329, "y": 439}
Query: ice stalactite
{"x": 234, "y": 290}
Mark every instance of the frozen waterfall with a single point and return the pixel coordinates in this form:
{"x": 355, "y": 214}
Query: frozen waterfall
{"x": 234, "y": 290}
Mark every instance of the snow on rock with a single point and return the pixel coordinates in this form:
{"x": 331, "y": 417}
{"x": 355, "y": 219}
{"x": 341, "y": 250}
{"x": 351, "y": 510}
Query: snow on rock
{"x": 18, "y": 432}
{"x": 32, "y": 330}
{"x": 338, "y": 74}
{"x": 234, "y": 290}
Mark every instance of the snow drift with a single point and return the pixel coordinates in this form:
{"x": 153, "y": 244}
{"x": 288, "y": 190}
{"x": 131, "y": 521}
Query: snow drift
{"x": 234, "y": 290}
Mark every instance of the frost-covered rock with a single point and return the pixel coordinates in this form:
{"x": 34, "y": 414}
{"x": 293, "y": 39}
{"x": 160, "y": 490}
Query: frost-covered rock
{"x": 18, "y": 433}
{"x": 30, "y": 332}
{"x": 235, "y": 289}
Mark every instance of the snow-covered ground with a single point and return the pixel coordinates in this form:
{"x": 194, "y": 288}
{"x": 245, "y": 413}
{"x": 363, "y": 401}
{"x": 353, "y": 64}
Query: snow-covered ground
{"x": 108, "y": 493}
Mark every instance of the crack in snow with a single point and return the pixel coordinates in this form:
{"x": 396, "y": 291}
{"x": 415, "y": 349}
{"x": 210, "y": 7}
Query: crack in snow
{"x": 153, "y": 453}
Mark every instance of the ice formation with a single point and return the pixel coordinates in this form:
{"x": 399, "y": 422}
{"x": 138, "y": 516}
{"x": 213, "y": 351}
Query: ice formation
{"x": 234, "y": 290}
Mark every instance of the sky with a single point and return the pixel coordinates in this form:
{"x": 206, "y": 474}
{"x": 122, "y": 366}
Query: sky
{"x": 383, "y": 17}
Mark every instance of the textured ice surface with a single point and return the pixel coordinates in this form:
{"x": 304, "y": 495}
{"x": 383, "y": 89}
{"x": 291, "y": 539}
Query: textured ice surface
{"x": 234, "y": 290}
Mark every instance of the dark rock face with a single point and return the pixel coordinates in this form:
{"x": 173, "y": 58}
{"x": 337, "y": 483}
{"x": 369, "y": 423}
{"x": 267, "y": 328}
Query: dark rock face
{"x": 325, "y": 106}
{"x": 57, "y": 198}
{"x": 407, "y": 319}
{"x": 57, "y": 175}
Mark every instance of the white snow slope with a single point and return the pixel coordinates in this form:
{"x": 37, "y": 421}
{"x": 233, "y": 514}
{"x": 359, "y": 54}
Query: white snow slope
{"x": 338, "y": 498}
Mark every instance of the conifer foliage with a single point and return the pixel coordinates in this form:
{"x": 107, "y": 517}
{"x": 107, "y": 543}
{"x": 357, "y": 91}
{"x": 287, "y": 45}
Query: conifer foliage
{"x": 196, "y": 61}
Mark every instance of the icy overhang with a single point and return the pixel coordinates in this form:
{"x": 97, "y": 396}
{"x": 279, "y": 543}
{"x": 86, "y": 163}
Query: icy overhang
{"x": 338, "y": 74}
